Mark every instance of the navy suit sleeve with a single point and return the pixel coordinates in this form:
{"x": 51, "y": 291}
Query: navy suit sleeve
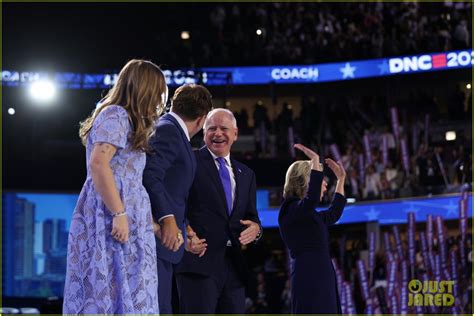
{"x": 305, "y": 207}
{"x": 334, "y": 212}
{"x": 164, "y": 152}
{"x": 313, "y": 196}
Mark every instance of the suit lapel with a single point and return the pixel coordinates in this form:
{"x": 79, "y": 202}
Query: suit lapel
{"x": 210, "y": 165}
{"x": 237, "y": 176}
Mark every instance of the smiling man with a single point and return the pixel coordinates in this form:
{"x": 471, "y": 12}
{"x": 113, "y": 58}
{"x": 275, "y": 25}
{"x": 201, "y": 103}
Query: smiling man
{"x": 222, "y": 214}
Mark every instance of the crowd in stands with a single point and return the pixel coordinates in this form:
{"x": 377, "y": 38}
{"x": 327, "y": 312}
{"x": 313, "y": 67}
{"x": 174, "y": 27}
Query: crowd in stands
{"x": 432, "y": 166}
{"x": 305, "y": 33}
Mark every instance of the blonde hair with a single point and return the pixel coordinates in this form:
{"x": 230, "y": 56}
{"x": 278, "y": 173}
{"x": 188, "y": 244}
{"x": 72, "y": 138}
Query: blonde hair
{"x": 297, "y": 179}
{"x": 139, "y": 88}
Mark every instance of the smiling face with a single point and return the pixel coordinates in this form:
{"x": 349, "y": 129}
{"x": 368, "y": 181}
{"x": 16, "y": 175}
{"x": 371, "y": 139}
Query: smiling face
{"x": 220, "y": 132}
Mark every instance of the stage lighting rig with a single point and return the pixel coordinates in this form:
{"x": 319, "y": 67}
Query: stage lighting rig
{"x": 450, "y": 136}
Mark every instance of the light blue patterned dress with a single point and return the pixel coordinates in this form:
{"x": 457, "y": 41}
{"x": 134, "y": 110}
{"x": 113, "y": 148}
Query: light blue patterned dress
{"x": 104, "y": 276}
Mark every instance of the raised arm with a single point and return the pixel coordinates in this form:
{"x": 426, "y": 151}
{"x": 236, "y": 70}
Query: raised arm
{"x": 313, "y": 195}
{"x": 334, "y": 212}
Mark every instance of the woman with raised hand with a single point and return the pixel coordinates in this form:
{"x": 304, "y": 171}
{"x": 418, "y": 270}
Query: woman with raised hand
{"x": 111, "y": 261}
{"x": 305, "y": 232}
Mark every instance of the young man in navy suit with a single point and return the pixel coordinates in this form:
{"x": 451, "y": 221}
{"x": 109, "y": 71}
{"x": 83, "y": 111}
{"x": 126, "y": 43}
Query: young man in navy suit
{"x": 222, "y": 211}
{"x": 168, "y": 175}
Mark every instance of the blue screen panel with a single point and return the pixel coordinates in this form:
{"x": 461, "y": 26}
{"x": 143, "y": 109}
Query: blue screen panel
{"x": 393, "y": 212}
{"x": 264, "y": 75}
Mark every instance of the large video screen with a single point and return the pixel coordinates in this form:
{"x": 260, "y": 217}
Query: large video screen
{"x": 35, "y": 230}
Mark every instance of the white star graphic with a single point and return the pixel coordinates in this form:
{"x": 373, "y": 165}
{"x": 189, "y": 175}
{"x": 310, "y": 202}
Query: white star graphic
{"x": 412, "y": 209}
{"x": 451, "y": 209}
{"x": 372, "y": 215}
{"x": 383, "y": 67}
{"x": 348, "y": 71}
{"x": 237, "y": 76}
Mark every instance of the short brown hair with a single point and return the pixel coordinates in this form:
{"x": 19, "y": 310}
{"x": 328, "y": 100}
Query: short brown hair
{"x": 191, "y": 101}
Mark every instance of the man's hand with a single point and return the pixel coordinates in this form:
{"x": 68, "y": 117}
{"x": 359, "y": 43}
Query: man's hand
{"x": 157, "y": 230}
{"x": 195, "y": 245}
{"x": 179, "y": 241}
{"x": 250, "y": 233}
{"x": 170, "y": 233}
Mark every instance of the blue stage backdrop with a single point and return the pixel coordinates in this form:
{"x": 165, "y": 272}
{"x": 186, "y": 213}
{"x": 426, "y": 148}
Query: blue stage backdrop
{"x": 35, "y": 231}
{"x": 390, "y": 212}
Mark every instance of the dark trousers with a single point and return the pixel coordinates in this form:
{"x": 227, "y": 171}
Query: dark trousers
{"x": 165, "y": 285}
{"x": 220, "y": 293}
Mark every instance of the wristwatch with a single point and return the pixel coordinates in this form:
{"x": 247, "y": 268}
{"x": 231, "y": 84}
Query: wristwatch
{"x": 259, "y": 234}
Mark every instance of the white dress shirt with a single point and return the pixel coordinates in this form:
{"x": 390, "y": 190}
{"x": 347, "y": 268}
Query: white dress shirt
{"x": 181, "y": 124}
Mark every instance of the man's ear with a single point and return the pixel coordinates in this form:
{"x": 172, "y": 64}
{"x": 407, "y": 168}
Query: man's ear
{"x": 200, "y": 121}
{"x": 236, "y": 133}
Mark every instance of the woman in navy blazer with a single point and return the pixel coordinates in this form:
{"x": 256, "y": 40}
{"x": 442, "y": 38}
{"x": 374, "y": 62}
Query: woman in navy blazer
{"x": 305, "y": 233}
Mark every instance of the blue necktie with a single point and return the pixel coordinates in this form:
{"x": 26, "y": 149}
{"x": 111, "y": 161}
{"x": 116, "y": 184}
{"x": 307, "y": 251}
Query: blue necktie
{"x": 225, "y": 179}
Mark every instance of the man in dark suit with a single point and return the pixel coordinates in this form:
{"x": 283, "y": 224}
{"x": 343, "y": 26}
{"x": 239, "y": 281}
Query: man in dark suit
{"x": 222, "y": 211}
{"x": 168, "y": 175}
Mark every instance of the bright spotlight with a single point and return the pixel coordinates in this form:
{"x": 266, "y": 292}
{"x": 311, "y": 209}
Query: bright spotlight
{"x": 43, "y": 91}
{"x": 11, "y": 111}
{"x": 185, "y": 35}
{"x": 259, "y": 32}
{"x": 450, "y": 135}
{"x": 468, "y": 86}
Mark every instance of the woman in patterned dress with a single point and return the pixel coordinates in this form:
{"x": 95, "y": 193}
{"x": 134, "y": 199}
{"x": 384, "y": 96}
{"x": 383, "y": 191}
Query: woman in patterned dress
{"x": 111, "y": 263}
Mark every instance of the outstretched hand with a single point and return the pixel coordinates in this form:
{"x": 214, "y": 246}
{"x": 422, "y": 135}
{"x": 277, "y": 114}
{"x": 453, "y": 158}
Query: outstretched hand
{"x": 250, "y": 233}
{"x": 315, "y": 164}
